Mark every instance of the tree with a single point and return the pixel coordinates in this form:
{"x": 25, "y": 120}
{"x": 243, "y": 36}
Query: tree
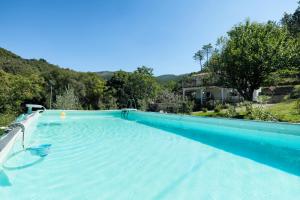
{"x": 67, "y": 101}
{"x": 292, "y": 21}
{"x": 199, "y": 55}
{"x": 16, "y": 89}
{"x": 253, "y": 51}
{"x": 118, "y": 86}
{"x": 145, "y": 70}
{"x": 142, "y": 86}
{"x": 108, "y": 101}
{"x": 208, "y": 50}
{"x": 220, "y": 44}
{"x": 171, "y": 102}
{"x": 93, "y": 90}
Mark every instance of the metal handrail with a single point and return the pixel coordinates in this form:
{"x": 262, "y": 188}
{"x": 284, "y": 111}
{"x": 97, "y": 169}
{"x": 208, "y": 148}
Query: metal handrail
{"x": 18, "y": 124}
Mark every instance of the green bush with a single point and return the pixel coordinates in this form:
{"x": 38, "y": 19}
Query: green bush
{"x": 263, "y": 98}
{"x": 259, "y": 113}
{"x": 186, "y": 107}
{"x": 249, "y": 108}
{"x": 231, "y": 112}
{"x": 67, "y": 101}
{"x": 218, "y": 108}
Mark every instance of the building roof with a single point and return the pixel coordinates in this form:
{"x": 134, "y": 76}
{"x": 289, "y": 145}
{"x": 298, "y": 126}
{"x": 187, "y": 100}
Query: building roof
{"x": 201, "y": 74}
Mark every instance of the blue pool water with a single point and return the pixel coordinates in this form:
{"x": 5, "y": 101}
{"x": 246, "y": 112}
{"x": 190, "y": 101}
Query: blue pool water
{"x": 100, "y": 155}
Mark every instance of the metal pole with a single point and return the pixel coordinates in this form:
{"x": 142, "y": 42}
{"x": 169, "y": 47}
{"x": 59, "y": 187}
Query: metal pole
{"x": 222, "y": 93}
{"x": 201, "y": 96}
{"x": 50, "y": 96}
{"x": 183, "y": 91}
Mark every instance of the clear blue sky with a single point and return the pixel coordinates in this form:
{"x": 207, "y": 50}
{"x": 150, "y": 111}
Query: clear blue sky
{"x": 98, "y": 35}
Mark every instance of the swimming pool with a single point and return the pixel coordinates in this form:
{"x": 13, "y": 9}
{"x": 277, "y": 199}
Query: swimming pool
{"x": 104, "y": 155}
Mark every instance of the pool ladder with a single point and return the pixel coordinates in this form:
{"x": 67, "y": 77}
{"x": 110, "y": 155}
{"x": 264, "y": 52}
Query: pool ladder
{"x": 124, "y": 113}
{"x": 131, "y": 105}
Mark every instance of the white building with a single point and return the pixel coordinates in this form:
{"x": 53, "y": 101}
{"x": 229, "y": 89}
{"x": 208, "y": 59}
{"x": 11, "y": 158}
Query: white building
{"x": 202, "y": 88}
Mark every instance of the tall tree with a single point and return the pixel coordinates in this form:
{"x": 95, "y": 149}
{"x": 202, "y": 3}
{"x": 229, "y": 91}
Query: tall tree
{"x": 208, "y": 50}
{"x": 199, "y": 56}
{"x": 144, "y": 70}
{"x": 142, "y": 86}
{"x": 292, "y": 21}
{"x": 253, "y": 51}
{"x": 94, "y": 90}
{"x": 118, "y": 86}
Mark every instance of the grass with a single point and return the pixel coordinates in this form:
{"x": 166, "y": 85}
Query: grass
{"x": 209, "y": 114}
{"x": 285, "y": 111}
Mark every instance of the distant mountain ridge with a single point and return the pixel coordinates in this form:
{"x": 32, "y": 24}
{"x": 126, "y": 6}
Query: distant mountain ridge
{"x": 106, "y": 75}
{"x": 161, "y": 79}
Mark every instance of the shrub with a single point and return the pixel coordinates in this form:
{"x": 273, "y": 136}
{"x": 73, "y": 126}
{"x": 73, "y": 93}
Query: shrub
{"x": 231, "y": 112}
{"x": 186, "y": 107}
{"x": 249, "y": 108}
{"x": 142, "y": 104}
{"x": 259, "y": 113}
{"x": 67, "y": 101}
{"x": 210, "y": 105}
{"x": 263, "y": 98}
{"x": 169, "y": 102}
{"x": 218, "y": 108}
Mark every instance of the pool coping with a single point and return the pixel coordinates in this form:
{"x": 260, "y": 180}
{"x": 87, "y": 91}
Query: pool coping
{"x": 181, "y": 115}
{"x": 224, "y": 118}
{"x": 8, "y": 140}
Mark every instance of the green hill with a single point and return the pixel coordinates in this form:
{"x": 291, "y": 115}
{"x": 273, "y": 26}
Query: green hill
{"x": 12, "y": 63}
{"x": 37, "y": 81}
{"x": 163, "y": 79}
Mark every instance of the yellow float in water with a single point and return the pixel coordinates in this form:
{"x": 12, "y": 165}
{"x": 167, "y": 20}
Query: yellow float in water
{"x": 62, "y": 115}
